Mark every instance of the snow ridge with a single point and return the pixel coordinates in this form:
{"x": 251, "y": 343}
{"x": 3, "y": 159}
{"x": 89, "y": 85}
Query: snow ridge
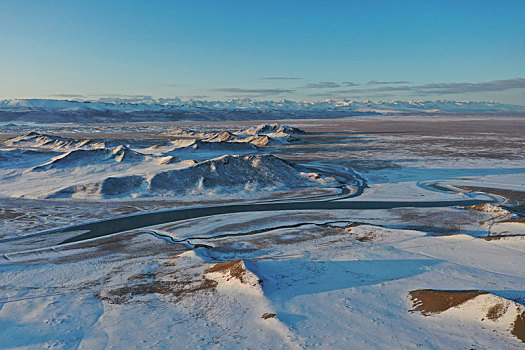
{"x": 196, "y": 107}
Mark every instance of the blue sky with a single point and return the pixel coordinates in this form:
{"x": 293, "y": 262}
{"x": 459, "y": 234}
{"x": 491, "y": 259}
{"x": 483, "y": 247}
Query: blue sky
{"x": 221, "y": 49}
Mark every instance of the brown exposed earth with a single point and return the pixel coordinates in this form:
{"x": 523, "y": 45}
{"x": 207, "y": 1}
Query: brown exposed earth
{"x": 364, "y": 236}
{"x": 519, "y": 327}
{"x": 429, "y": 301}
{"x": 268, "y": 315}
{"x": 178, "y": 289}
{"x": 496, "y": 311}
{"x": 233, "y": 268}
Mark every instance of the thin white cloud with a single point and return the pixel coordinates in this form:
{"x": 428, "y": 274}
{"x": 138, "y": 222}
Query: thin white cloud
{"x": 323, "y": 85}
{"x": 261, "y": 92}
{"x": 375, "y": 82}
{"x": 442, "y": 88}
{"x": 68, "y": 95}
{"x": 281, "y": 78}
{"x": 458, "y": 88}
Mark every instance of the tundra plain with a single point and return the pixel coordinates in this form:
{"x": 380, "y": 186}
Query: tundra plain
{"x": 426, "y": 251}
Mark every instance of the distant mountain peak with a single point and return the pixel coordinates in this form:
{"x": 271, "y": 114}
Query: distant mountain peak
{"x": 171, "y": 109}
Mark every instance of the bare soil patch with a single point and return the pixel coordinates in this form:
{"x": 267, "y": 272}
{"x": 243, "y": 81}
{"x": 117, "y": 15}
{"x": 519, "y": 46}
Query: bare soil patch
{"x": 519, "y": 327}
{"x": 233, "y": 268}
{"x": 496, "y": 311}
{"x": 268, "y": 315}
{"x": 429, "y": 301}
{"x": 365, "y": 236}
{"x": 177, "y": 289}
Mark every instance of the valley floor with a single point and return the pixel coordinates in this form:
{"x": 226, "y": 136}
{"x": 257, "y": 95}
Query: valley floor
{"x": 399, "y": 278}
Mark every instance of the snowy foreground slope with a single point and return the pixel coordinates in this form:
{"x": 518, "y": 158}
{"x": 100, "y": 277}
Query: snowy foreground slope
{"x": 448, "y": 277}
{"x": 148, "y": 109}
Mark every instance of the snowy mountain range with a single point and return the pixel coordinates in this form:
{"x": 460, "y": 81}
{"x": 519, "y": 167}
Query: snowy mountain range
{"x": 163, "y": 109}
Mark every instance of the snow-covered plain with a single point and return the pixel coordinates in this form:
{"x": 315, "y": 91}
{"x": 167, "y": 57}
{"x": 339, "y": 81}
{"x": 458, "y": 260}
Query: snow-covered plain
{"x": 403, "y": 278}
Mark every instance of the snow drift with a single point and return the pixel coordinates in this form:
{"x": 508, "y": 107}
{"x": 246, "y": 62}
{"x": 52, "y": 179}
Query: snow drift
{"x": 51, "y": 142}
{"x": 83, "y": 157}
{"x": 20, "y": 158}
{"x": 204, "y": 148}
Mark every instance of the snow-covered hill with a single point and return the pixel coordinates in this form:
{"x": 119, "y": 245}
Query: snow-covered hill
{"x": 227, "y": 174}
{"x": 81, "y": 157}
{"x": 227, "y": 164}
{"x": 51, "y": 142}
